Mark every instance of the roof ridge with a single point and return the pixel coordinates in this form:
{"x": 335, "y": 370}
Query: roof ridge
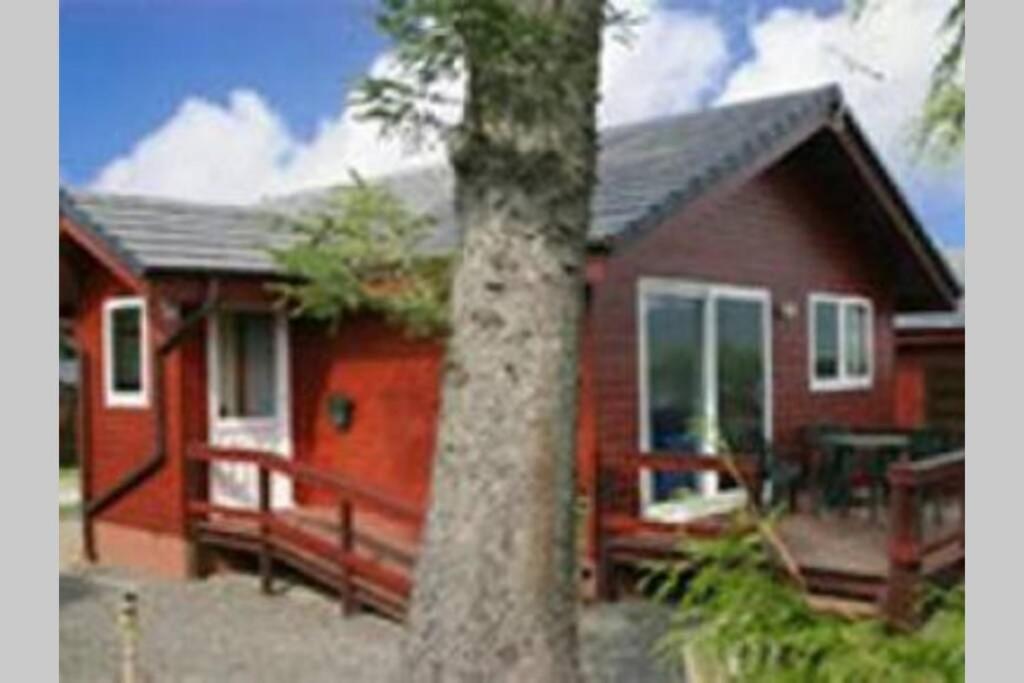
{"x": 78, "y": 195}
{"x": 831, "y": 89}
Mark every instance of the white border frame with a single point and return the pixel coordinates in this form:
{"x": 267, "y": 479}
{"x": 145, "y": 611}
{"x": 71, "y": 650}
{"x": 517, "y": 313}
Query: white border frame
{"x": 709, "y": 292}
{"x": 224, "y": 432}
{"x": 843, "y": 381}
{"x": 113, "y": 398}
{"x": 282, "y": 413}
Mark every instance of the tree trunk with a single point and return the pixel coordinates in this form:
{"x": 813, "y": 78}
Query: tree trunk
{"x": 495, "y": 595}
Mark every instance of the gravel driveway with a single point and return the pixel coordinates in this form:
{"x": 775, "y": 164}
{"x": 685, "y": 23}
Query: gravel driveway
{"x": 223, "y": 629}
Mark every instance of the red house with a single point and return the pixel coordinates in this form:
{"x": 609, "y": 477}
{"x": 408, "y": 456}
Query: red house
{"x": 930, "y": 364}
{"x": 746, "y": 267}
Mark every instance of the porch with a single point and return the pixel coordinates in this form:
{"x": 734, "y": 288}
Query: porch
{"x": 364, "y": 548}
{"x": 848, "y": 558}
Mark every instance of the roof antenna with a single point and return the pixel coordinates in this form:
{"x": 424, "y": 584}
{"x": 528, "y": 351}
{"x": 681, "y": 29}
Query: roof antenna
{"x": 855, "y": 65}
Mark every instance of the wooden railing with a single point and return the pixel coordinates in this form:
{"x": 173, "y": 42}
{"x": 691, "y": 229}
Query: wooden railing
{"x": 924, "y": 541}
{"x": 621, "y": 535}
{"x": 273, "y": 534}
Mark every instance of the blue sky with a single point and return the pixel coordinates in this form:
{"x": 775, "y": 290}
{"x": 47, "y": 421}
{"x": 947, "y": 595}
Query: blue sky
{"x": 148, "y": 88}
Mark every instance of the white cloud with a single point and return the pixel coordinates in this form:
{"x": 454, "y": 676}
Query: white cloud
{"x": 243, "y": 150}
{"x": 671, "y": 61}
{"x": 883, "y": 64}
{"x": 206, "y": 152}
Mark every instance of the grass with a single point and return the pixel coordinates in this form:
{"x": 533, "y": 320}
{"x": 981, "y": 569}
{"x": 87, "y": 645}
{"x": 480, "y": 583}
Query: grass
{"x": 68, "y": 476}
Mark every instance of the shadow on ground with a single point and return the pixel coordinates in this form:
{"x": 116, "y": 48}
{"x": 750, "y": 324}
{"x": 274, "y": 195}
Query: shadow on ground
{"x": 74, "y": 588}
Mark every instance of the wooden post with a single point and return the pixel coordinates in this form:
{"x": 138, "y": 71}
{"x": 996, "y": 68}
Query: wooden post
{"x": 266, "y": 561}
{"x": 602, "y": 499}
{"x": 345, "y": 546}
{"x": 189, "y": 477}
{"x": 904, "y": 549}
{"x": 84, "y": 456}
{"x": 757, "y": 473}
{"x": 128, "y": 621}
{"x": 195, "y": 491}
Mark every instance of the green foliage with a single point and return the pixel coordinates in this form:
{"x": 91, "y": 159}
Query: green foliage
{"x": 942, "y": 123}
{"x": 737, "y": 611}
{"x": 361, "y": 254}
{"x": 940, "y": 128}
{"x": 495, "y": 45}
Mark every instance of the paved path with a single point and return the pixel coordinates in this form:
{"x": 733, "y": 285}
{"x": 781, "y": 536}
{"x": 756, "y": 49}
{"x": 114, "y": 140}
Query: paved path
{"x": 223, "y": 629}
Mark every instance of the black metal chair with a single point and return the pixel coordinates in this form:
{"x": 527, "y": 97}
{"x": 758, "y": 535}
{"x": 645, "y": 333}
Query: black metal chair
{"x": 780, "y": 476}
{"x": 925, "y": 443}
{"x": 822, "y": 464}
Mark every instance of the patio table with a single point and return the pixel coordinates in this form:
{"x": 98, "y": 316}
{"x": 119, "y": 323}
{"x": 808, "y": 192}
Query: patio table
{"x": 851, "y": 446}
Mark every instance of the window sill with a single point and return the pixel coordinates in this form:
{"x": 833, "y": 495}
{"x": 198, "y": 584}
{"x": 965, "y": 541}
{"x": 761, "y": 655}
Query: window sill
{"x": 129, "y": 402}
{"x": 841, "y": 385}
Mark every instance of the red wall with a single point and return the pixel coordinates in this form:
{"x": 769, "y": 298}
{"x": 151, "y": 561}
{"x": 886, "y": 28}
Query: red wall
{"x": 916, "y": 355}
{"x": 395, "y": 383}
{"x": 779, "y": 231}
{"x": 119, "y": 439}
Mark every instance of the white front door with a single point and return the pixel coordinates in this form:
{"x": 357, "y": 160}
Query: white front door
{"x": 249, "y": 402}
{"x": 705, "y": 380}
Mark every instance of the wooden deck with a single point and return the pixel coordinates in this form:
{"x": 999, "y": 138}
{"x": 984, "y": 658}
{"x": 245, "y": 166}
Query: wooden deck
{"x": 832, "y": 543}
{"x": 876, "y": 560}
{"x": 365, "y": 547}
{"x": 854, "y": 543}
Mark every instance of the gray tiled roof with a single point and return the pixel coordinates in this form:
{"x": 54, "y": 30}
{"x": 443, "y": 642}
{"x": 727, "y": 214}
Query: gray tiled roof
{"x": 941, "y": 320}
{"x": 157, "y": 234}
{"x": 645, "y": 170}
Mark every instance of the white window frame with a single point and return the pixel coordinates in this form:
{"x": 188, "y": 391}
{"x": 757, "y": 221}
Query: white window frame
{"x": 282, "y": 396}
{"x": 843, "y": 381}
{"x": 708, "y": 291}
{"x": 114, "y": 398}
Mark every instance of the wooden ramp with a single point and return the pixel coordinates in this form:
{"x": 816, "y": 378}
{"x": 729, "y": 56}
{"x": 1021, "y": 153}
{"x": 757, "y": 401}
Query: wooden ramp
{"x": 364, "y": 548}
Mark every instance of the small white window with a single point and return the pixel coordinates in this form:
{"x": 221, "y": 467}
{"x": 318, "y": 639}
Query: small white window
{"x": 841, "y": 347}
{"x": 124, "y": 352}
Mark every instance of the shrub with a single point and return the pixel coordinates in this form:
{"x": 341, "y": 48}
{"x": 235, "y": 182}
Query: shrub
{"x": 734, "y": 610}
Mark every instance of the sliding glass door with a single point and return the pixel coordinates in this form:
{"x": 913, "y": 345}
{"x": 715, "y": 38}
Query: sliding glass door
{"x": 704, "y": 355}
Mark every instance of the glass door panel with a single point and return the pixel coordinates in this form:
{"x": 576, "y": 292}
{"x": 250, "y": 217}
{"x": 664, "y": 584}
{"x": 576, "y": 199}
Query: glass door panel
{"x": 740, "y": 373}
{"x": 705, "y": 382}
{"x": 676, "y": 383}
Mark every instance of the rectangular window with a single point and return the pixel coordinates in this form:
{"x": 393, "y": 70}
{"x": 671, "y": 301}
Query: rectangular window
{"x": 826, "y": 340}
{"x": 856, "y": 356}
{"x": 840, "y": 342}
{"x": 124, "y": 341}
{"x": 248, "y": 353}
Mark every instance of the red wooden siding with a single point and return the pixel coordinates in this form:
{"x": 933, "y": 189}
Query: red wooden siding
{"x": 780, "y": 231}
{"x": 930, "y": 379}
{"x": 394, "y": 382}
{"x": 121, "y": 438}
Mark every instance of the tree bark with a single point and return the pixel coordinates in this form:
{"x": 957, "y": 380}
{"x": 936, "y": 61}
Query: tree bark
{"x": 495, "y": 594}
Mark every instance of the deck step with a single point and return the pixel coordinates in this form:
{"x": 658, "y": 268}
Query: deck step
{"x": 836, "y": 584}
{"x": 843, "y": 607}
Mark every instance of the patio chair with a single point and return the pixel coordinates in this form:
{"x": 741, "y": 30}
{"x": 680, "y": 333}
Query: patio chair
{"x": 780, "y": 475}
{"x": 925, "y": 443}
{"x": 820, "y": 463}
